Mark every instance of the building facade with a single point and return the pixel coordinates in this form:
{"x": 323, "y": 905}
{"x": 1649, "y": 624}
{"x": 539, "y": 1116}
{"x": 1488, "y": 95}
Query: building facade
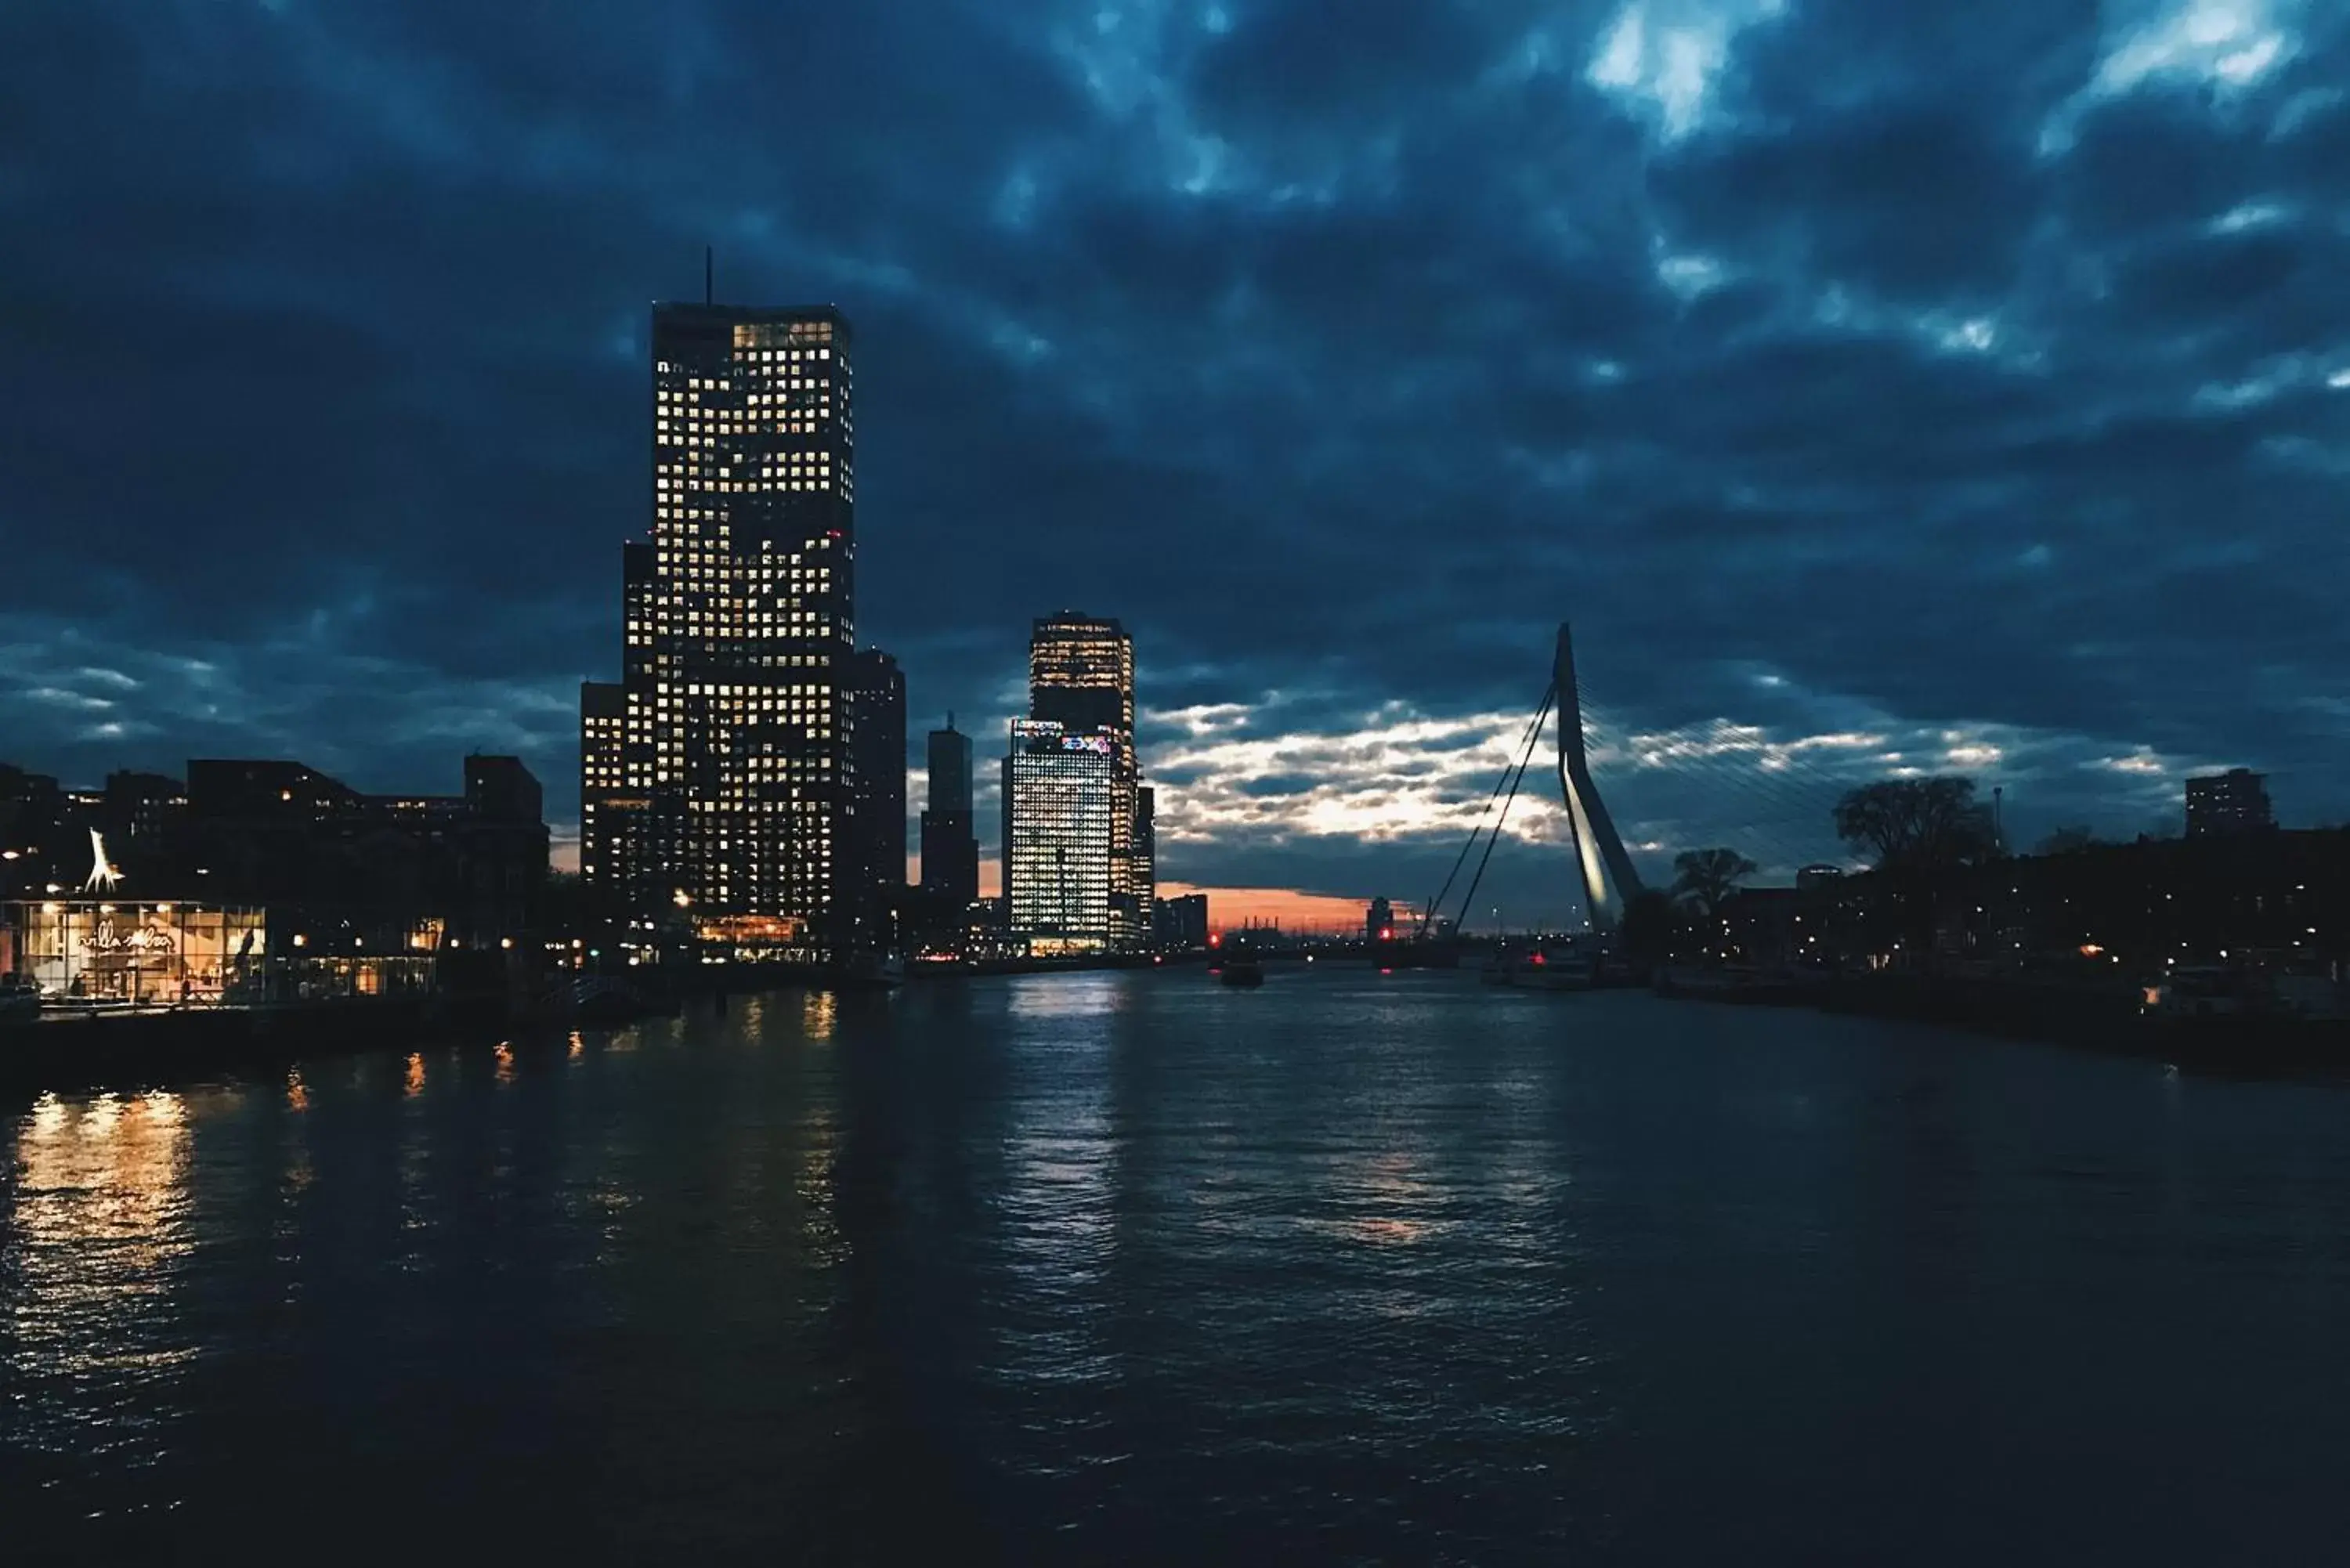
{"x": 732, "y": 822}
{"x": 1061, "y": 799}
{"x": 950, "y": 838}
{"x": 876, "y": 828}
{"x": 2222, "y": 805}
{"x": 1182, "y": 922}
{"x": 1081, "y": 677}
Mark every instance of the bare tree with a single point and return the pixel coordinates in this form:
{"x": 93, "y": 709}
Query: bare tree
{"x": 1921, "y": 829}
{"x": 1706, "y": 878}
{"x": 1917, "y": 824}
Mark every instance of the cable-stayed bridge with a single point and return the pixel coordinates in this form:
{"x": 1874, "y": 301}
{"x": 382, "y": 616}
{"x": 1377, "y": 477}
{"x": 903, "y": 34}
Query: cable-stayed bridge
{"x": 1772, "y": 801}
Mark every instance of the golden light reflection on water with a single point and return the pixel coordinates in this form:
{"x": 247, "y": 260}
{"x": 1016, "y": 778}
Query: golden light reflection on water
{"x": 578, "y": 1046}
{"x": 1382, "y": 1197}
{"x": 505, "y": 1063}
{"x": 818, "y": 1014}
{"x": 98, "y": 1210}
{"x": 297, "y": 1095}
{"x": 413, "y": 1084}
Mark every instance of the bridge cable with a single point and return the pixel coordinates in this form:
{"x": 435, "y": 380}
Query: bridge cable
{"x": 1428, "y": 911}
{"x": 1469, "y": 900}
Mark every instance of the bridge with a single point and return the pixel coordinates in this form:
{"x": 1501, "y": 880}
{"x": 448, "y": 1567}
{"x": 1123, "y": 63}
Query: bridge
{"x": 1609, "y": 880}
{"x": 1770, "y": 797}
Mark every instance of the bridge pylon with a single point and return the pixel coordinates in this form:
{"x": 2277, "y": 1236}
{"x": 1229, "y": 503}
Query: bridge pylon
{"x": 1609, "y": 881}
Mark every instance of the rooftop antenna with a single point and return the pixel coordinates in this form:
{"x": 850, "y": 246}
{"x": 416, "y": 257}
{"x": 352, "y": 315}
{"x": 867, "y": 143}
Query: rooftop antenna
{"x": 709, "y": 275}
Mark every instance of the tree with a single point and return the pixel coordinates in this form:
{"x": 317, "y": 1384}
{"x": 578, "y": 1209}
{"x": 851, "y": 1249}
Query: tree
{"x": 2068, "y": 841}
{"x": 1920, "y": 830}
{"x": 1705, "y": 877}
{"x": 1917, "y": 824}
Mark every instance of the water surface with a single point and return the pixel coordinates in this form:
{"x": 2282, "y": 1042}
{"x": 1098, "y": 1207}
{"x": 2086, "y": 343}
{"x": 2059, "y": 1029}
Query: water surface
{"x": 1130, "y": 1268}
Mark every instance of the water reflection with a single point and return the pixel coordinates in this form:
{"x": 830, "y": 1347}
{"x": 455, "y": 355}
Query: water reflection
{"x": 819, "y": 1012}
{"x": 96, "y": 1235}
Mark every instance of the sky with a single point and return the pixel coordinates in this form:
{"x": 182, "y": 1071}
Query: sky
{"x": 1877, "y": 388}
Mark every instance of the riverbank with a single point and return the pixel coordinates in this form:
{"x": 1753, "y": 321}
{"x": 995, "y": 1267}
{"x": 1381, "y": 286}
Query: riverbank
{"x": 2103, "y": 1016}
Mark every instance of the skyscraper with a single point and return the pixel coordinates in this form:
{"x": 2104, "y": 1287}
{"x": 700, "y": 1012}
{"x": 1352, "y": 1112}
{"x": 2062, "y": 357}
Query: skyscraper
{"x": 739, "y": 624}
{"x": 603, "y": 724}
{"x": 877, "y": 726}
{"x": 1142, "y": 876}
{"x": 1060, "y": 794}
{"x": 949, "y": 841}
{"x": 1081, "y": 677}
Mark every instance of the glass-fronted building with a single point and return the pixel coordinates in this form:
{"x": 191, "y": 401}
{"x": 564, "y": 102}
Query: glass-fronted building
{"x": 136, "y": 953}
{"x": 1061, "y": 797}
{"x": 1081, "y": 677}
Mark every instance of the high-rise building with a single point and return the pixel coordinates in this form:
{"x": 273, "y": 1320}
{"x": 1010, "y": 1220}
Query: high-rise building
{"x": 1061, "y": 798}
{"x": 603, "y": 726}
{"x": 1143, "y": 875}
{"x": 2234, "y": 802}
{"x": 1081, "y": 677}
{"x": 739, "y": 621}
{"x": 949, "y": 841}
{"x": 876, "y": 727}
{"x": 1181, "y": 922}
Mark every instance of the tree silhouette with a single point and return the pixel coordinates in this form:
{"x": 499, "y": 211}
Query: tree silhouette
{"x": 1917, "y": 824}
{"x": 1706, "y": 878}
{"x": 1920, "y": 829}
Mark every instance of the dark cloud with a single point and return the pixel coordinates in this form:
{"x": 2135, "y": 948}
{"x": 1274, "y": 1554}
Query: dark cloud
{"x": 1842, "y": 368}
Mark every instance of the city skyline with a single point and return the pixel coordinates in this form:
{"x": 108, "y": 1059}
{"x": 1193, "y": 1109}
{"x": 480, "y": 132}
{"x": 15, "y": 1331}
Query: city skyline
{"x": 1976, "y": 416}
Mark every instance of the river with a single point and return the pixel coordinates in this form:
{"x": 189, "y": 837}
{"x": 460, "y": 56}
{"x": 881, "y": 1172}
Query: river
{"x": 1130, "y": 1268}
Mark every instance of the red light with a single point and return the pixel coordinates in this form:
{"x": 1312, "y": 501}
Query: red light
{"x": 1388, "y": 935}
{"x": 1538, "y": 959}
{"x": 1215, "y": 938}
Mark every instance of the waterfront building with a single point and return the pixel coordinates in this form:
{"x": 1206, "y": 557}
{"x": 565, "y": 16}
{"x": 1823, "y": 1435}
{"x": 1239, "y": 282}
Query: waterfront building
{"x": 1081, "y": 677}
{"x": 1379, "y": 922}
{"x": 949, "y": 841}
{"x": 1182, "y": 923}
{"x": 142, "y": 894}
{"x": 2220, "y": 805}
{"x": 734, "y": 818}
{"x": 603, "y": 728}
{"x": 1142, "y": 875}
{"x": 876, "y": 707}
{"x": 1061, "y": 794}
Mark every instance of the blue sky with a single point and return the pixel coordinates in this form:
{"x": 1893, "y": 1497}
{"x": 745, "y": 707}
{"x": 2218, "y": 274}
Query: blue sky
{"x": 1877, "y": 387}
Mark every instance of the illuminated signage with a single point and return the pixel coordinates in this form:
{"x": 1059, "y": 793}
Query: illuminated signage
{"x": 106, "y": 937}
{"x": 1100, "y": 745}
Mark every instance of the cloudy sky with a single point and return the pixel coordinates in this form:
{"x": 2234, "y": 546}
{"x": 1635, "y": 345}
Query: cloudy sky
{"x": 1877, "y": 386}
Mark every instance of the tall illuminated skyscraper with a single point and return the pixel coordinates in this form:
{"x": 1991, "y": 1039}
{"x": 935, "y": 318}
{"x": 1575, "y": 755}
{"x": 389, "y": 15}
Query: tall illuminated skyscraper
{"x": 1081, "y": 677}
{"x": 740, "y": 624}
{"x": 1060, "y": 800}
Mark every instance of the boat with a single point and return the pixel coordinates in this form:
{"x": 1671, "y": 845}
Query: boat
{"x": 1556, "y": 967}
{"x": 1242, "y": 972}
